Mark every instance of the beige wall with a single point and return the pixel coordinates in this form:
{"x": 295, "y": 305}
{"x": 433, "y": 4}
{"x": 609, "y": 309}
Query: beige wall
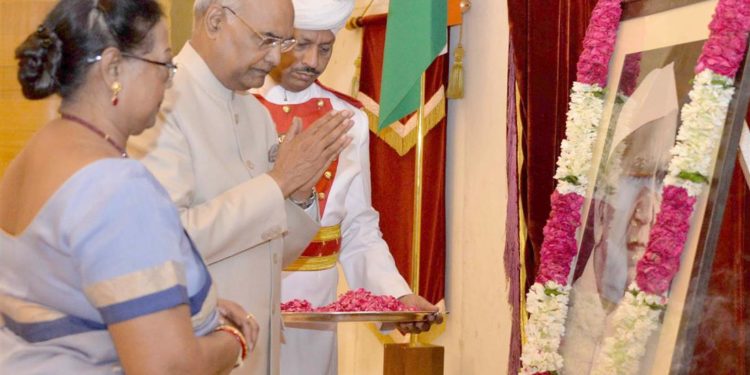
{"x": 477, "y": 198}
{"x": 478, "y": 331}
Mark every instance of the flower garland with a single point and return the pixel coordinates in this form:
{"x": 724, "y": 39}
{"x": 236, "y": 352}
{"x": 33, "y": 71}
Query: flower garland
{"x": 547, "y": 299}
{"x": 703, "y": 120}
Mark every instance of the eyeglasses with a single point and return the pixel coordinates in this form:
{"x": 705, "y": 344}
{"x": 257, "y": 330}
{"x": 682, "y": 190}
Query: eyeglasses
{"x": 171, "y": 67}
{"x": 266, "y": 41}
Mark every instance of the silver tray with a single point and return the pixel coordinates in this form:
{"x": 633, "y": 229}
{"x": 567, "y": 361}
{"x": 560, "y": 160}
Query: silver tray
{"x": 359, "y": 316}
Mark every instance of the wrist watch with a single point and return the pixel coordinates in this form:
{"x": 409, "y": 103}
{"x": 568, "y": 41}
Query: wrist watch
{"x": 305, "y": 204}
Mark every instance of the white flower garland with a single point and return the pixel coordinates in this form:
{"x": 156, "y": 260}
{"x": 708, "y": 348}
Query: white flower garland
{"x": 699, "y": 135}
{"x": 581, "y": 128}
{"x": 548, "y": 306}
{"x": 636, "y": 317}
{"x": 638, "y": 314}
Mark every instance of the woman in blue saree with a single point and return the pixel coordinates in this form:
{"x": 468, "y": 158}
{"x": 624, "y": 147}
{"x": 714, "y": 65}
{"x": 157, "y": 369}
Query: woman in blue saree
{"x": 97, "y": 275}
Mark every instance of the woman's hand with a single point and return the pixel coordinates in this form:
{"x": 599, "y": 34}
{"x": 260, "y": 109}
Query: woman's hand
{"x": 235, "y": 315}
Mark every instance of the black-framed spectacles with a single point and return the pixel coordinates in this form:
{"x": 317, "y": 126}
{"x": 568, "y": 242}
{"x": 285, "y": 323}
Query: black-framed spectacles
{"x": 171, "y": 67}
{"x": 266, "y": 41}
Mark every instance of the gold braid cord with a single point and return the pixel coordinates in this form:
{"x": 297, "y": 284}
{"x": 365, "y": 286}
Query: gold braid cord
{"x": 402, "y": 144}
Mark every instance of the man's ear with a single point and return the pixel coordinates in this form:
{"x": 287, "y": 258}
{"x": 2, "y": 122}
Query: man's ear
{"x": 213, "y": 20}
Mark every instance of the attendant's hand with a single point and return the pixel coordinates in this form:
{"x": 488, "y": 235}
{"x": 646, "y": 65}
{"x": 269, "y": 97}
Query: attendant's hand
{"x": 420, "y": 304}
{"x": 235, "y": 315}
{"x": 305, "y": 155}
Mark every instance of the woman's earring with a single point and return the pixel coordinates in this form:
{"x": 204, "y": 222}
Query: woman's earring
{"x": 116, "y": 88}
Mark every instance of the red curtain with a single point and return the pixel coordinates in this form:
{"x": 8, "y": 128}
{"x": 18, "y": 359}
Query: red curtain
{"x": 393, "y": 175}
{"x": 547, "y": 38}
{"x": 723, "y": 339}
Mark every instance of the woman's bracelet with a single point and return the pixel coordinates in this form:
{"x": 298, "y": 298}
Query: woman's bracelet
{"x": 240, "y": 338}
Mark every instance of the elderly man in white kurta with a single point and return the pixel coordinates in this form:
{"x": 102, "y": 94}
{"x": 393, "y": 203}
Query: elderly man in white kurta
{"x": 214, "y": 148}
{"x": 350, "y": 231}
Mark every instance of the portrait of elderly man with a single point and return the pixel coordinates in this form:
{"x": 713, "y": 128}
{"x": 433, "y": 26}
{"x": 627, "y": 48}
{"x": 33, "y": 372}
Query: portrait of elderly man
{"x": 350, "y": 233}
{"x": 241, "y": 197}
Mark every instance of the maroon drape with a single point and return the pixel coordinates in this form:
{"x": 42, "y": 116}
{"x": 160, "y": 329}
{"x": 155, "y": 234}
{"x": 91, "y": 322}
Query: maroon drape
{"x": 547, "y": 39}
{"x": 393, "y": 175}
{"x": 723, "y": 339}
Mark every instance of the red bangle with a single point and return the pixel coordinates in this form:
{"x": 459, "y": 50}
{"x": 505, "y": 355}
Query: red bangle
{"x": 239, "y": 337}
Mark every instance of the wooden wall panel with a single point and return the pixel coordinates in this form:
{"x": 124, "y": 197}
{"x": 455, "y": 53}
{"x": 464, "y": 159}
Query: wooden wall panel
{"x": 19, "y": 117}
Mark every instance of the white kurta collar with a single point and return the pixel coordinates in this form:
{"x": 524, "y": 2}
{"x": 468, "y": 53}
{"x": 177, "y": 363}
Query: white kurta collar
{"x": 189, "y": 60}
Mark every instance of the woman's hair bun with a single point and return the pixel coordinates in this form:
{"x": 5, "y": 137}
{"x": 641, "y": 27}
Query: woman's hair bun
{"x": 39, "y": 58}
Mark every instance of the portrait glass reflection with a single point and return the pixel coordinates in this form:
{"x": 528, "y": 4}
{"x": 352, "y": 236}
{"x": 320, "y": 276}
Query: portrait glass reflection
{"x": 653, "y": 86}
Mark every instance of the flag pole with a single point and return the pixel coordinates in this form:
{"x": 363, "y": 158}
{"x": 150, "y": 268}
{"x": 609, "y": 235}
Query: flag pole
{"x": 417, "y": 226}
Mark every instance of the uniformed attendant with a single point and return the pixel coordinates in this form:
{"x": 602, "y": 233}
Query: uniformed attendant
{"x": 215, "y": 149}
{"x": 350, "y": 232}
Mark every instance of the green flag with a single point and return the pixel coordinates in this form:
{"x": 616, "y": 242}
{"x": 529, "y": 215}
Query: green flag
{"x": 414, "y": 36}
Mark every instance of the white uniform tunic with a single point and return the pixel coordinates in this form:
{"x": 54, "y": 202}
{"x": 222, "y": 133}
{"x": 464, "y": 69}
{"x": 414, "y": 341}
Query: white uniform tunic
{"x": 364, "y": 256}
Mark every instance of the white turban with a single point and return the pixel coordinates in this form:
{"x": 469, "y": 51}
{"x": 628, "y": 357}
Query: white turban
{"x": 322, "y": 14}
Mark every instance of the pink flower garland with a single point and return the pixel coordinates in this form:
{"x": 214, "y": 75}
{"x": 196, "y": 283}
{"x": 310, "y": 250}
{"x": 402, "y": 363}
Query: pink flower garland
{"x": 559, "y": 246}
{"x": 722, "y": 53}
{"x": 599, "y": 43}
{"x": 725, "y": 47}
{"x": 661, "y": 261}
{"x": 630, "y": 71}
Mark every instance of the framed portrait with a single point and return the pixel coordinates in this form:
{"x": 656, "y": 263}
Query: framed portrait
{"x": 651, "y": 73}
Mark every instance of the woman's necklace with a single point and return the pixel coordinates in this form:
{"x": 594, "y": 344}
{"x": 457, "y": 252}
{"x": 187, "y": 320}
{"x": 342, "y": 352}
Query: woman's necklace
{"x": 96, "y": 130}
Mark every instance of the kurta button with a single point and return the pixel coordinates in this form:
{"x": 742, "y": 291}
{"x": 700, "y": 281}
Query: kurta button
{"x": 236, "y": 119}
{"x": 286, "y": 109}
{"x": 275, "y": 258}
{"x": 328, "y": 175}
{"x": 320, "y": 103}
{"x": 249, "y": 164}
{"x": 269, "y": 234}
{"x": 321, "y": 196}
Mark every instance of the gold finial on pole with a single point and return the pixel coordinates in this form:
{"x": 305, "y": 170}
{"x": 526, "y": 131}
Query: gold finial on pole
{"x": 356, "y": 22}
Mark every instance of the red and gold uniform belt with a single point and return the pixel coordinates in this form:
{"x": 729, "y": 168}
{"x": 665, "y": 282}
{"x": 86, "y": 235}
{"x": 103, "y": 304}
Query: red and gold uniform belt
{"x": 322, "y": 253}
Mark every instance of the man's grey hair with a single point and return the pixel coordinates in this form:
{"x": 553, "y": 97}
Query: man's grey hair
{"x": 201, "y": 5}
